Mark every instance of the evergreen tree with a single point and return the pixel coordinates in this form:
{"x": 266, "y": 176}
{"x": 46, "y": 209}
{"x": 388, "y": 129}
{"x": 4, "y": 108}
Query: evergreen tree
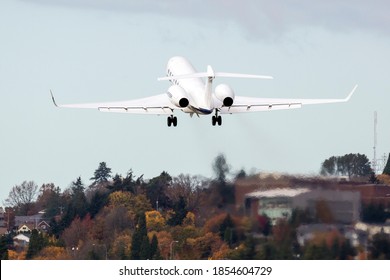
{"x": 227, "y": 231}
{"x": 374, "y": 213}
{"x": 156, "y": 190}
{"x": 3, "y": 248}
{"x": 154, "y": 250}
{"x": 117, "y": 183}
{"x": 373, "y": 179}
{"x": 380, "y": 246}
{"x": 76, "y": 206}
{"x": 350, "y": 165}
{"x": 222, "y": 190}
{"x": 386, "y": 171}
{"x": 250, "y": 248}
{"x": 36, "y": 244}
{"x": 102, "y": 174}
{"x": 137, "y": 241}
{"x": 98, "y": 201}
{"x": 145, "y": 251}
{"x": 180, "y": 213}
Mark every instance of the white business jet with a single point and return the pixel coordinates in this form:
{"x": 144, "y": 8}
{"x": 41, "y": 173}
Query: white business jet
{"x": 190, "y": 94}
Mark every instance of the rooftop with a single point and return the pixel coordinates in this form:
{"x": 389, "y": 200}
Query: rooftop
{"x": 278, "y": 193}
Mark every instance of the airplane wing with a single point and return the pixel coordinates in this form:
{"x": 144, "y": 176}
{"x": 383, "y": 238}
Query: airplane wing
{"x": 157, "y": 105}
{"x": 252, "y": 104}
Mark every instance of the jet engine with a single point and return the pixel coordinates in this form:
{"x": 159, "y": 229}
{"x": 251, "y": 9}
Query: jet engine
{"x": 225, "y": 94}
{"x": 178, "y": 96}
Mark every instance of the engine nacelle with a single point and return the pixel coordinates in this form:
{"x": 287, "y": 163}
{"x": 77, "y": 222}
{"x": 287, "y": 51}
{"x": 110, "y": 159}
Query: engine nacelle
{"x": 178, "y": 96}
{"x": 225, "y": 94}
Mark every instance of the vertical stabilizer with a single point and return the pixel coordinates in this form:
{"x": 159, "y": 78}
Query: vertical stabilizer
{"x": 209, "y": 86}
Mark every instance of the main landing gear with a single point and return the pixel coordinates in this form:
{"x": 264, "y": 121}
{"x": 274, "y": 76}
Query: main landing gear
{"x": 172, "y": 120}
{"x": 216, "y": 119}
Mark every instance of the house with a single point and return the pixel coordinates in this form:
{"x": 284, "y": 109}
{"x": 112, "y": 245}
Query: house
{"x": 25, "y": 229}
{"x": 28, "y": 223}
{"x": 21, "y": 240}
{"x": 33, "y": 219}
{"x": 43, "y": 226}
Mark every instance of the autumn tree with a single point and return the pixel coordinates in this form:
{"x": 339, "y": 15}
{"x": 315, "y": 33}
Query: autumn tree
{"x": 49, "y": 198}
{"x": 188, "y": 187}
{"x": 284, "y": 237}
{"x": 154, "y": 220}
{"x": 133, "y": 203}
{"x": 116, "y": 220}
{"x": 203, "y": 247}
{"x": 121, "y": 246}
{"x": 77, "y": 233}
{"x": 52, "y": 253}
{"x": 22, "y": 197}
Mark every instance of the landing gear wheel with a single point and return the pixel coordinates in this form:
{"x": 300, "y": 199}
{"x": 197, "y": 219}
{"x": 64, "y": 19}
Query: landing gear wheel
{"x": 219, "y": 120}
{"x": 172, "y": 120}
{"x": 216, "y": 119}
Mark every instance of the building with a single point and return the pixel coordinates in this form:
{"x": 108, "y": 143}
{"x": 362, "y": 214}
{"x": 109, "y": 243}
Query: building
{"x": 305, "y": 233}
{"x": 344, "y": 206}
{"x": 275, "y": 204}
{"x": 341, "y": 206}
{"x": 31, "y": 220}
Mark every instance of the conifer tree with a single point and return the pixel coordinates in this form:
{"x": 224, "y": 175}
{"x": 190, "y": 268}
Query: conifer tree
{"x": 36, "y": 244}
{"x": 3, "y": 248}
{"x": 154, "y": 250}
{"x": 137, "y": 241}
{"x": 102, "y": 174}
{"x": 386, "y": 171}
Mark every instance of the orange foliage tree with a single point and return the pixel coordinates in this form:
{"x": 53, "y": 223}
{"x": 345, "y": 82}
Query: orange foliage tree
{"x": 52, "y": 253}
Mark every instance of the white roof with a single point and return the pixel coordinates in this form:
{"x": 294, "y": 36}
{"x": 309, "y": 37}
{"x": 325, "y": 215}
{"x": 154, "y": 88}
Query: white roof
{"x": 278, "y": 193}
{"x": 22, "y": 237}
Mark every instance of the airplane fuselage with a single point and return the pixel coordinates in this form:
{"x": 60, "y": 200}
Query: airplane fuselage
{"x": 199, "y": 94}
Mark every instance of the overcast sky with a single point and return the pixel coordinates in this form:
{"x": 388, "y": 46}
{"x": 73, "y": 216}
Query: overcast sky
{"x": 109, "y": 50}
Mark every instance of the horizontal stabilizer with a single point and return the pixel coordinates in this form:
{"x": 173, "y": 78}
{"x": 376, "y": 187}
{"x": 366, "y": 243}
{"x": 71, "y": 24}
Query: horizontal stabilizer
{"x": 216, "y": 74}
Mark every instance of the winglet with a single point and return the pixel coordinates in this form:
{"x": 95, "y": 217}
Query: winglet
{"x": 52, "y": 98}
{"x": 351, "y": 93}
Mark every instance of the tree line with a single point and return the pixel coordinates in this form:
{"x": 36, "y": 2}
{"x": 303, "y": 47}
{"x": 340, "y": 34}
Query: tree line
{"x": 165, "y": 217}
